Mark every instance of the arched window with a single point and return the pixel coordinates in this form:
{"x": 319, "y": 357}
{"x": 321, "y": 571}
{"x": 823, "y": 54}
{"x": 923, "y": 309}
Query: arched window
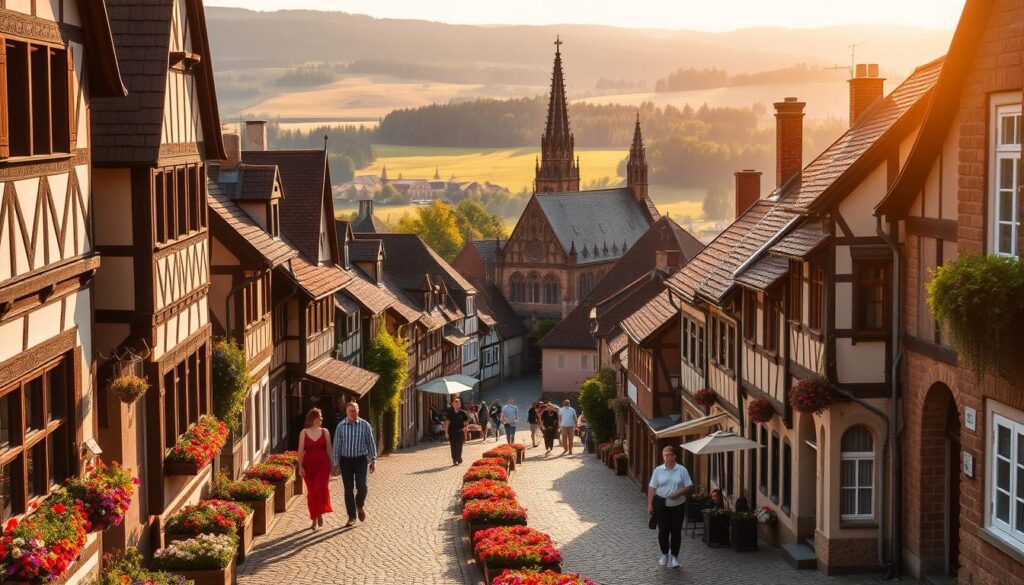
{"x": 857, "y": 474}
{"x": 517, "y": 288}
{"x": 552, "y": 290}
{"x": 586, "y": 283}
{"x": 533, "y": 288}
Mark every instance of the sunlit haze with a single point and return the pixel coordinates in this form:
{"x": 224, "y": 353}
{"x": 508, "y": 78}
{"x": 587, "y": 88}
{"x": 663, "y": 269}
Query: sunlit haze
{"x": 673, "y": 14}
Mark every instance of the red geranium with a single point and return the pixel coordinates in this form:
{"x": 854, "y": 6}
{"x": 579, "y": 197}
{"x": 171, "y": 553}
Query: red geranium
{"x": 531, "y": 577}
{"x": 486, "y": 489}
{"x": 270, "y": 472}
{"x": 494, "y": 511}
{"x": 811, "y": 396}
{"x": 495, "y": 461}
{"x": 704, "y": 397}
{"x": 200, "y": 443}
{"x": 485, "y": 472}
{"x": 760, "y": 410}
{"x": 516, "y": 547}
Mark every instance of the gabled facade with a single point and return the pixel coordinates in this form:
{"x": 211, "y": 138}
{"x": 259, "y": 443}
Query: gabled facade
{"x": 48, "y": 249}
{"x": 960, "y": 193}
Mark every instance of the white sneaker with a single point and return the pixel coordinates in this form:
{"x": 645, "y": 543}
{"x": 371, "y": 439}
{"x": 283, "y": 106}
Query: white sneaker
{"x": 663, "y": 560}
{"x": 673, "y": 562}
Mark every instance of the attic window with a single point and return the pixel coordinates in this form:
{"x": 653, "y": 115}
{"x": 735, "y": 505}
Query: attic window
{"x": 183, "y": 60}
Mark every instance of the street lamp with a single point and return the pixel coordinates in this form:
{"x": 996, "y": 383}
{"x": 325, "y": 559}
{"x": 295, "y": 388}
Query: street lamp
{"x": 674, "y": 381}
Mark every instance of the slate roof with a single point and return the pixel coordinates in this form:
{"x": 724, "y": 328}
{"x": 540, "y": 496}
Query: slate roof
{"x": 649, "y": 318}
{"x": 490, "y": 300}
{"x": 410, "y": 259}
{"x": 600, "y": 224}
{"x": 343, "y": 375}
{"x": 317, "y": 281}
{"x": 367, "y": 224}
{"x": 824, "y": 171}
{"x": 248, "y": 182}
{"x": 304, "y": 178}
{"x": 273, "y": 251}
{"x": 802, "y": 242}
{"x": 762, "y": 274}
{"x": 360, "y": 250}
{"x": 665, "y": 234}
{"x": 487, "y": 250}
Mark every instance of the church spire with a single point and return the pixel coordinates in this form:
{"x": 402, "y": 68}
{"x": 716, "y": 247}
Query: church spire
{"x": 636, "y": 166}
{"x": 558, "y": 171}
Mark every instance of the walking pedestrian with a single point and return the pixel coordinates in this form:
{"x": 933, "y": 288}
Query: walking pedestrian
{"x": 510, "y": 416}
{"x": 549, "y": 426}
{"x": 315, "y": 466}
{"x": 455, "y": 429}
{"x": 355, "y": 453}
{"x": 495, "y": 412}
{"x": 666, "y": 493}
{"x": 533, "y": 418}
{"x": 566, "y": 427}
{"x": 484, "y": 419}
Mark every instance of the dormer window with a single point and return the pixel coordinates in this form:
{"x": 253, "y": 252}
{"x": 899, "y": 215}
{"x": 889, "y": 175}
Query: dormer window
{"x": 379, "y": 273}
{"x": 36, "y": 106}
{"x": 274, "y": 219}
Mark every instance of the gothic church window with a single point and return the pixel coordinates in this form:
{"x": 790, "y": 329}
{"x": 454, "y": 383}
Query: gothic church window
{"x": 533, "y": 288}
{"x": 552, "y": 291}
{"x": 517, "y": 288}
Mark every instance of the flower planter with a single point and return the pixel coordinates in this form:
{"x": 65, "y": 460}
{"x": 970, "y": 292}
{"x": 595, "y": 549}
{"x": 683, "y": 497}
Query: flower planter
{"x": 769, "y": 533}
{"x": 225, "y": 576}
{"x": 181, "y": 468}
{"x": 621, "y": 466}
{"x": 262, "y": 515}
{"x": 284, "y": 491}
{"x": 246, "y": 539}
{"x": 716, "y": 529}
{"x": 743, "y": 534}
{"x": 491, "y": 572}
{"x": 300, "y": 487}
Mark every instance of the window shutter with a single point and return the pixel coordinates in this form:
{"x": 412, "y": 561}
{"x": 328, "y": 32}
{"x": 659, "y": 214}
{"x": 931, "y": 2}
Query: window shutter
{"x": 72, "y": 121}
{"x": 5, "y": 141}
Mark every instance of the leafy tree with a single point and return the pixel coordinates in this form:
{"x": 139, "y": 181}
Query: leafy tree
{"x": 387, "y": 357}
{"x": 476, "y": 223}
{"x": 595, "y": 398}
{"x": 231, "y": 380}
{"x": 718, "y": 203}
{"x": 389, "y": 195}
{"x": 545, "y": 327}
{"x": 437, "y": 225}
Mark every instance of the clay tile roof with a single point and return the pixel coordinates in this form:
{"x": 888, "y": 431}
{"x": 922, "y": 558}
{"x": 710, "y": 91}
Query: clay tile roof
{"x": 343, "y": 375}
{"x": 595, "y": 219}
{"x": 649, "y": 318}
{"x": 762, "y": 274}
{"x": 273, "y": 250}
{"x": 404, "y": 306}
{"x": 410, "y": 259}
{"x": 807, "y": 189}
{"x": 618, "y": 342}
{"x": 360, "y": 250}
{"x": 454, "y": 336}
{"x": 802, "y": 242}
{"x": 305, "y": 180}
{"x": 317, "y": 281}
{"x": 347, "y": 305}
{"x": 375, "y": 299}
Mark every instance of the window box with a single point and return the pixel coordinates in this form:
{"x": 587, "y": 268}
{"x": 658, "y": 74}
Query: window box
{"x": 172, "y": 468}
{"x": 743, "y": 533}
{"x": 716, "y": 528}
{"x": 245, "y": 538}
{"x": 262, "y": 515}
{"x": 225, "y": 576}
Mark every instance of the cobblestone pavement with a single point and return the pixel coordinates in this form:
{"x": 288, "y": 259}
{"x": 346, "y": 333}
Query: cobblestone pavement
{"x": 413, "y": 534}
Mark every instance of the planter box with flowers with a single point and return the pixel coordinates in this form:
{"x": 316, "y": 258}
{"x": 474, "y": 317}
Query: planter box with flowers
{"x": 621, "y": 464}
{"x": 126, "y": 568}
{"x": 612, "y": 454}
{"x": 534, "y": 577}
{"x": 484, "y": 472}
{"x": 520, "y": 452}
{"x": 811, "y": 396}
{"x": 213, "y": 517}
{"x": 743, "y": 531}
{"x": 492, "y": 461}
{"x": 768, "y": 525}
{"x": 42, "y": 546}
{"x": 602, "y": 450}
{"x": 196, "y": 447}
{"x": 282, "y": 477}
{"x": 105, "y": 493}
{"x": 514, "y": 547}
{"x": 288, "y": 458}
{"x": 506, "y": 452}
{"x": 716, "y": 527}
{"x": 486, "y": 489}
{"x": 256, "y": 495}
{"x": 208, "y": 559}
{"x": 483, "y": 514}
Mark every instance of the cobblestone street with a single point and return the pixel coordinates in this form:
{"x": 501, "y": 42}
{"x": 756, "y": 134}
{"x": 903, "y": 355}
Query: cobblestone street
{"x": 413, "y": 534}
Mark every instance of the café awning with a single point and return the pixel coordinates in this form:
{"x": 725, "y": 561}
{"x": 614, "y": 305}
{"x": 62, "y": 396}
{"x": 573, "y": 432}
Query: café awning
{"x": 449, "y": 385}
{"x": 691, "y": 426}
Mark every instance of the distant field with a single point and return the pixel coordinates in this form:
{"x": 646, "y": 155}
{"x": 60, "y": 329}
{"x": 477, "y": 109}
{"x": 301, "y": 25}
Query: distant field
{"x": 509, "y": 167}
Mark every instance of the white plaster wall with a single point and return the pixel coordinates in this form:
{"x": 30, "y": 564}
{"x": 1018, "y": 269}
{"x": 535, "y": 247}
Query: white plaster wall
{"x": 114, "y": 193}
{"x": 861, "y": 362}
{"x": 857, "y": 208}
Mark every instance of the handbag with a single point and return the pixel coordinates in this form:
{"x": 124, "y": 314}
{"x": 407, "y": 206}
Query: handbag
{"x": 659, "y": 506}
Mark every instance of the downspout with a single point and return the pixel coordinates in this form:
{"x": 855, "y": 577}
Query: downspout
{"x": 896, "y": 568}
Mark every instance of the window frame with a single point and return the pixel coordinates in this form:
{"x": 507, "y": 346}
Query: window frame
{"x": 750, "y": 315}
{"x": 858, "y": 457}
{"x": 772, "y": 313}
{"x": 796, "y": 292}
{"x": 179, "y": 200}
{"x": 1000, "y": 415}
{"x": 816, "y": 298}
{"x": 186, "y": 397}
{"x": 61, "y": 94}
{"x": 865, "y": 259}
{"x": 1003, "y": 105}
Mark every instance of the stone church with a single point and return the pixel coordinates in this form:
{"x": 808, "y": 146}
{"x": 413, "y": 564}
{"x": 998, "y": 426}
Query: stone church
{"x": 566, "y": 240}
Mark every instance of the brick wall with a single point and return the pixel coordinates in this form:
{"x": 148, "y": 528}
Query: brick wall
{"x": 845, "y": 555}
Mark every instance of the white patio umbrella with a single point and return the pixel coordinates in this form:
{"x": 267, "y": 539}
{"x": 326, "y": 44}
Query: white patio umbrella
{"x": 449, "y": 385}
{"x": 719, "y": 442}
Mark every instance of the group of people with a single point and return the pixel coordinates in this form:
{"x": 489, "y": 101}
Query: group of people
{"x": 459, "y": 423}
{"x": 563, "y": 423}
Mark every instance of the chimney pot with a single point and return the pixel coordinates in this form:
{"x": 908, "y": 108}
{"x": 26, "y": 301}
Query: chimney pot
{"x": 865, "y": 89}
{"x": 872, "y": 69}
{"x": 789, "y": 139}
{"x": 256, "y": 135}
{"x": 748, "y": 190}
{"x": 233, "y": 149}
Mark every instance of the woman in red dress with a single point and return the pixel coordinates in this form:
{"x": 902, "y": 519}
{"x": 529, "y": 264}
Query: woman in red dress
{"x": 315, "y": 466}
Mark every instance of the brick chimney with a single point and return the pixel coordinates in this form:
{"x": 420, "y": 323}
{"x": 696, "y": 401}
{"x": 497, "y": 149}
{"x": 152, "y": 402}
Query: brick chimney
{"x": 748, "y": 189}
{"x": 789, "y": 139}
{"x": 866, "y": 88}
{"x": 255, "y": 135}
{"x": 233, "y": 148}
{"x": 666, "y": 260}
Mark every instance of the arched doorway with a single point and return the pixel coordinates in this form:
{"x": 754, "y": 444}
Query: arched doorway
{"x": 940, "y": 483}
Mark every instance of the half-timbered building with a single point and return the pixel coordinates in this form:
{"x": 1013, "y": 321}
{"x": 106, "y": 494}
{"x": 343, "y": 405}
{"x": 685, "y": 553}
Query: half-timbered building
{"x": 56, "y": 59}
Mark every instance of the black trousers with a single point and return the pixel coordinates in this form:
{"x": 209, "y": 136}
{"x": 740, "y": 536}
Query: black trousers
{"x": 353, "y": 476}
{"x": 549, "y": 438}
{"x": 670, "y": 529}
{"x": 455, "y": 441}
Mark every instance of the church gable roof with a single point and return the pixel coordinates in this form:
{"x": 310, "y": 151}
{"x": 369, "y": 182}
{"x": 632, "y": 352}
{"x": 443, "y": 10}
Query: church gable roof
{"x": 601, "y": 224}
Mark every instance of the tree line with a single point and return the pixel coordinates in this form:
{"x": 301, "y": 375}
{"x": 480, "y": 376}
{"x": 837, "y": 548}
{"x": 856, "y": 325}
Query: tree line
{"x": 348, "y": 147}
{"x": 693, "y": 78}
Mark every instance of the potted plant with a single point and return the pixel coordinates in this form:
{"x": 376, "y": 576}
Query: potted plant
{"x": 493, "y": 461}
{"x": 768, "y": 524}
{"x": 759, "y": 410}
{"x": 484, "y": 472}
{"x": 255, "y": 494}
{"x": 506, "y": 452}
{"x": 126, "y": 567}
{"x": 213, "y": 517}
{"x": 481, "y": 514}
{"x": 602, "y": 451}
{"x": 811, "y": 396}
{"x": 486, "y": 489}
{"x": 705, "y": 397}
{"x": 614, "y": 452}
{"x": 621, "y": 464}
{"x": 520, "y": 452}
{"x": 128, "y": 387}
{"x": 743, "y": 531}
{"x": 280, "y": 476}
{"x": 288, "y": 458}
{"x": 207, "y": 559}
{"x": 196, "y": 447}
{"x": 42, "y": 546}
{"x": 105, "y": 493}
{"x": 716, "y": 527}
{"x": 534, "y": 577}
{"x": 514, "y": 547}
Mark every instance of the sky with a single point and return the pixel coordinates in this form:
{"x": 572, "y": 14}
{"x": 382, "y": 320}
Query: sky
{"x": 713, "y": 15}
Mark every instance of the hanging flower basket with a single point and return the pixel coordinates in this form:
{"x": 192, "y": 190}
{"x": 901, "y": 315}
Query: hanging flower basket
{"x": 128, "y": 387}
{"x": 811, "y": 396}
{"x": 760, "y": 410}
{"x": 705, "y": 397}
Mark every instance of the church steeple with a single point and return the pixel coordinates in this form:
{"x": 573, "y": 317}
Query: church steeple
{"x": 636, "y": 166}
{"x": 558, "y": 170}
{"x": 384, "y": 175}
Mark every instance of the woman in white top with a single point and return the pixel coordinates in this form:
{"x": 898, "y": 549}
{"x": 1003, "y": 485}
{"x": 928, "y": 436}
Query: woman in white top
{"x": 666, "y": 494}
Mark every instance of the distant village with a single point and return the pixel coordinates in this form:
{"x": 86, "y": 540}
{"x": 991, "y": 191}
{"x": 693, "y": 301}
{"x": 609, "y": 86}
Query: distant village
{"x": 416, "y": 191}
